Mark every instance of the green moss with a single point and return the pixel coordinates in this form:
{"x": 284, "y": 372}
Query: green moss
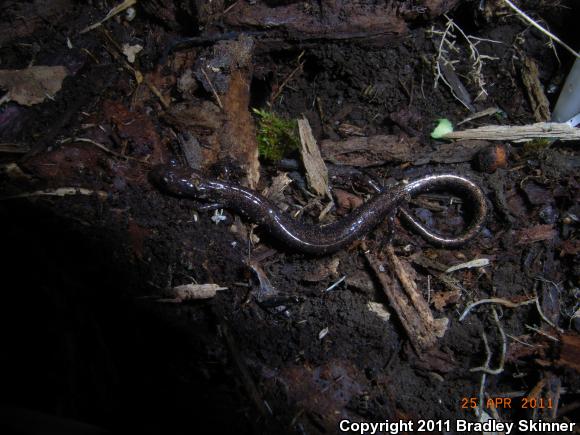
{"x": 537, "y": 146}
{"x": 277, "y": 137}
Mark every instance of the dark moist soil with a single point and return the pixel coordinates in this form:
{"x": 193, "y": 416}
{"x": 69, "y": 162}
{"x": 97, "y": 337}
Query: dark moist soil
{"x": 83, "y": 335}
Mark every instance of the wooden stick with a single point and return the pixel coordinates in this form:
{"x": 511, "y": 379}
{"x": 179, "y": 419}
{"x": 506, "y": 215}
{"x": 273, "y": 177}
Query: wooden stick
{"x": 519, "y": 133}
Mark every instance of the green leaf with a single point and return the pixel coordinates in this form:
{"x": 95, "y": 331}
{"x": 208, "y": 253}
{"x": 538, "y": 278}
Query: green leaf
{"x": 444, "y": 127}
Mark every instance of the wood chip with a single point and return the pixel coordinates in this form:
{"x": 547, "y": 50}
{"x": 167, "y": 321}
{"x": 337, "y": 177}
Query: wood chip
{"x": 316, "y": 171}
{"x": 188, "y": 292}
{"x": 479, "y": 262}
{"x": 380, "y": 310}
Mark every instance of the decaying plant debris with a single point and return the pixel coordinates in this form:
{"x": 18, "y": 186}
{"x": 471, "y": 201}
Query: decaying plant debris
{"x": 128, "y": 309}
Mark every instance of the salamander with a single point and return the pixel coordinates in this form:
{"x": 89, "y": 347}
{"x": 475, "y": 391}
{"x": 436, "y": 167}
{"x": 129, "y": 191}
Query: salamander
{"x": 323, "y": 239}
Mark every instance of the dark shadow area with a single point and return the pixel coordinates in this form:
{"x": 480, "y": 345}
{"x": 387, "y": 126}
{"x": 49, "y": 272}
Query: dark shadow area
{"x": 78, "y": 345}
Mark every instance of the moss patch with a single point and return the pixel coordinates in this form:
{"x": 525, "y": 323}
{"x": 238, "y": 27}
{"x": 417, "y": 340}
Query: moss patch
{"x": 277, "y": 137}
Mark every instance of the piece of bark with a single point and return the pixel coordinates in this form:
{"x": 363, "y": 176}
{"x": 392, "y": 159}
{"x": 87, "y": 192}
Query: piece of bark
{"x": 519, "y": 133}
{"x": 457, "y": 152}
{"x": 404, "y": 297}
{"x": 538, "y": 100}
{"x": 316, "y": 171}
{"x": 226, "y": 132}
{"x": 369, "y": 151}
{"x": 570, "y": 351}
{"x": 231, "y": 63}
{"x": 329, "y": 19}
{"x": 191, "y": 149}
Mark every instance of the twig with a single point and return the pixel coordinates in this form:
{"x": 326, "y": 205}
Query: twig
{"x": 61, "y": 191}
{"x": 519, "y": 133}
{"x": 487, "y": 112}
{"x": 520, "y": 341}
{"x": 114, "y": 11}
{"x": 286, "y": 80}
{"x": 217, "y": 97}
{"x": 104, "y": 148}
{"x": 333, "y": 286}
{"x": 545, "y": 334}
{"x": 541, "y": 29}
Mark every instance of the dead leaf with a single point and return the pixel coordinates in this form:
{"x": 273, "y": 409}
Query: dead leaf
{"x": 441, "y": 299}
{"x": 535, "y": 234}
{"x": 346, "y": 201}
{"x": 32, "y": 85}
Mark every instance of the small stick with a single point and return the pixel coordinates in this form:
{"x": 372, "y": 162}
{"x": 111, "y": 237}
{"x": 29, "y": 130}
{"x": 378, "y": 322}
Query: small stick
{"x": 114, "y": 11}
{"x": 61, "y": 191}
{"x": 333, "y": 286}
{"x": 217, "y": 97}
{"x": 545, "y": 334}
{"x": 541, "y": 29}
{"x": 286, "y": 80}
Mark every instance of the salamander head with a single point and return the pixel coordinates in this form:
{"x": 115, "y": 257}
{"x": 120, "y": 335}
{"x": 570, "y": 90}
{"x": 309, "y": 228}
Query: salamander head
{"x": 180, "y": 181}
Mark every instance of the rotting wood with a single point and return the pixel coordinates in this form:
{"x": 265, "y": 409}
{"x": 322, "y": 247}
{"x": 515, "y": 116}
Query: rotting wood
{"x": 519, "y": 133}
{"x": 226, "y": 72}
{"x": 369, "y": 151}
{"x": 407, "y": 301}
{"x": 538, "y": 100}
